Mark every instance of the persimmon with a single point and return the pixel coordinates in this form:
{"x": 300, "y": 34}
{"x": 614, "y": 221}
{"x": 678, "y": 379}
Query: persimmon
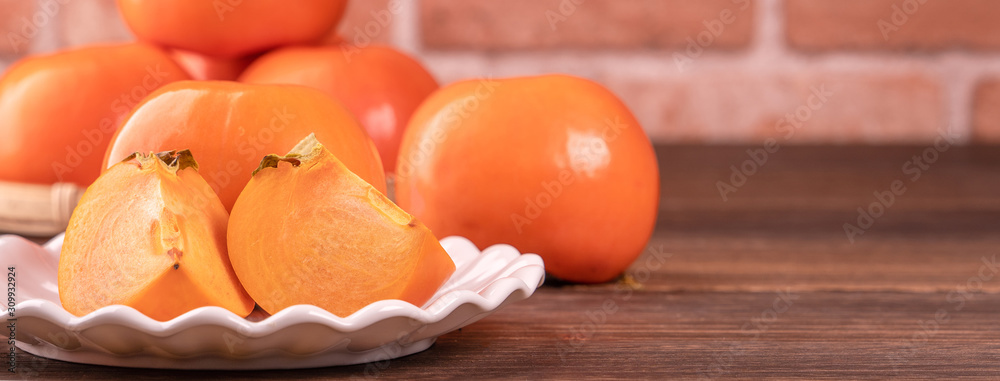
{"x": 553, "y": 164}
{"x": 151, "y": 234}
{"x": 380, "y": 85}
{"x": 61, "y": 109}
{"x": 306, "y": 230}
{"x": 231, "y": 28}
{"x": 209, "y": 68}
{"x": 230, "y": 126}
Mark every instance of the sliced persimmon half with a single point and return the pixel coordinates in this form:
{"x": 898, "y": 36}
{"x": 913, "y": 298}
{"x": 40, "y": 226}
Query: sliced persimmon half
{"x": 150, "y": 233}
{"x": 306, "y": 230}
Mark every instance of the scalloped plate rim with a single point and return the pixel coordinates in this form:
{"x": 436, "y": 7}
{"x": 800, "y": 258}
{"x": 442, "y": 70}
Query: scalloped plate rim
{"x": 525, "y": 273}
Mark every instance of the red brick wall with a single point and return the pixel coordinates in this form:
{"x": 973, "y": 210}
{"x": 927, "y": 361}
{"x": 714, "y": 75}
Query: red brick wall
{"x": 693, "y": 71}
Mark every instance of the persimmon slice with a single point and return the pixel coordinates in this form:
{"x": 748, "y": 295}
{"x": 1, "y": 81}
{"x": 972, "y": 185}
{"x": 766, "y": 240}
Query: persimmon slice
{"x": 150, "y": 233}
{"x": 306, "y": 230}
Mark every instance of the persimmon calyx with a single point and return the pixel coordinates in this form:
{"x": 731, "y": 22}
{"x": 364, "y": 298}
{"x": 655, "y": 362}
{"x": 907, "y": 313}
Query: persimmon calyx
{"x": 306, "y": 150}
{"x": 173, "y": 160}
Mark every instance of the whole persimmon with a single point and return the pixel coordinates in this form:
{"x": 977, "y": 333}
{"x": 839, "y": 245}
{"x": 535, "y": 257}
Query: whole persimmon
{"x": 210, "y": 68}
{"x": 231, "y": 28}
{"x": 60, "y": 110}
{"x": 380, "y": 85}
{"x": 554, "y": 165}
{"x": 229, "y": 126}
{"x": 306, "y": 230}
{"x": 149, "y": 234}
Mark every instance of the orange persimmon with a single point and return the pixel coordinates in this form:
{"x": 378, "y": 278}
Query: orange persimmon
{"x": 230, "y": 28}
{"x": 380, "y": 85}
{"x": 230, "y": 126}
{"x": 553, "y": 165}
{"x": 149, "y": 234}
{"x": 209, "y": 68}
{"x": 61, "y": 109}
{"x": 306, "y": 230}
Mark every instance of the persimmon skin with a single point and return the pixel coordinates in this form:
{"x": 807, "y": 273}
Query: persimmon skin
{"x": 152, "y": 236}
{"x": 306, "y": 230}
{"x": 553, "y": 165}
{"x": 62, "y": 109}
{"x": 223, "y": 29}
{"x": 380, "y": 85}
{"x": 209, "y": 68}
{"x": 229, "y": 126}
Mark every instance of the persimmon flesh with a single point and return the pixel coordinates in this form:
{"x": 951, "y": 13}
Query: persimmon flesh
{"x": 306, "y": 230}
{"x": 151, "y": 234}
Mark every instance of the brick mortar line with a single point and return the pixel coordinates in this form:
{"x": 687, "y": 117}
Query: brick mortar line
{"x": 960, "y": 87}
{"x": 769, "y": 30}
{"x": 662, "y": 63}
{"x": 406, "y": 30}
{"x": 48, "y": 38}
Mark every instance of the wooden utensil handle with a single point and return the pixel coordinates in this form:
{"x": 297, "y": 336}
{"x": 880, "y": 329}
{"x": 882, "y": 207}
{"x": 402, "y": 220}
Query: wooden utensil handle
{"x": 37, "y": 210}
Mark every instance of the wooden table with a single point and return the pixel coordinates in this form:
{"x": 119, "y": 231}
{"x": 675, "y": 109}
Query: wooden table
{"x": 765, "y": 284}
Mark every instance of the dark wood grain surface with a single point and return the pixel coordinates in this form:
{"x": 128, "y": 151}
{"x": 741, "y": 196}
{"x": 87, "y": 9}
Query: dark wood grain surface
{"x": 764, "y": 284}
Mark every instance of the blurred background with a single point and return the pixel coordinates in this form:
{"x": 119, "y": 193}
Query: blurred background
{"x": 694, "y": 72}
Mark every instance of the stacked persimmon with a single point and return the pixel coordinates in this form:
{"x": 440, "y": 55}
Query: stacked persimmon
{"x": 553, "y": 164}
{"x": 151, "y": 232}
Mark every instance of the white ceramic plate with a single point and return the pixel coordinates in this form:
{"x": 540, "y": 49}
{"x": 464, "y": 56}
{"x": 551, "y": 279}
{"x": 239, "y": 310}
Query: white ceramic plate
{"x": 301, "y": 336}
